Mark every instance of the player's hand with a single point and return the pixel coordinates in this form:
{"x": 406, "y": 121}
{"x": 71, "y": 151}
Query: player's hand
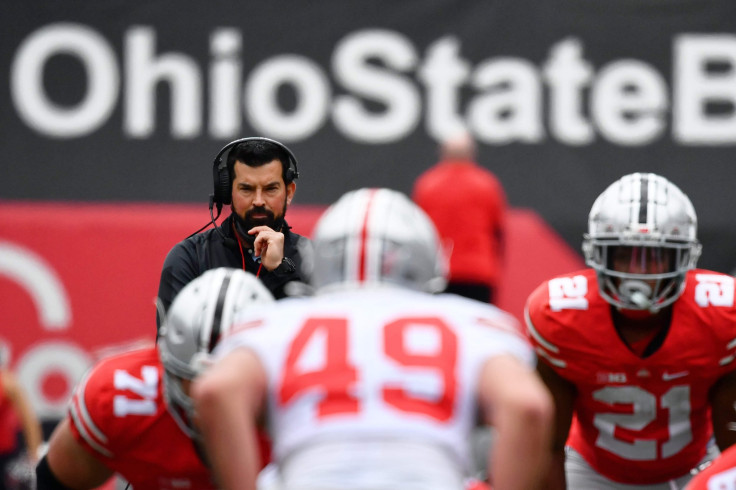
{"x": 268, "y": 245}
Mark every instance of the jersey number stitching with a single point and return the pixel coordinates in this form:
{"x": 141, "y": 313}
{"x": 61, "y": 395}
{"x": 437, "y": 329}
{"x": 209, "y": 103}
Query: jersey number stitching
{"x": 714, "y": 289}
{"x": 337, "y": 376}
{"x": 146, "y": 387}
{"x": 644, "y": 405}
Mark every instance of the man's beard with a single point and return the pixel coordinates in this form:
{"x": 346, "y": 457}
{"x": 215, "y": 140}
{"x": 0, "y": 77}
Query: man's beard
{"x": 243, "y": 225}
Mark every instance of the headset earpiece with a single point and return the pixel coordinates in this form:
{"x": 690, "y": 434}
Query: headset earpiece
{"x": 222, "y": 191}
{"x": 223, "y": 187}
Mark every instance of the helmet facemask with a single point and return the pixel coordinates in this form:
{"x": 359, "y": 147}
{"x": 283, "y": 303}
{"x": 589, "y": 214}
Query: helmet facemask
{"x": 639, "y": 277}
{"x": 180, "y": 404}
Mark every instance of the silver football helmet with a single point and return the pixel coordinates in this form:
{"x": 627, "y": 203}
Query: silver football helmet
{"x": 200, "y": 315}
{"x": 641, "y": 240}
{"x": 376, "y": 237}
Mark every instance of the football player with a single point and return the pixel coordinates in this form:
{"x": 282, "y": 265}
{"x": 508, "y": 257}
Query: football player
{"x": 132, "y": 415}
{"x": 374, "y": 383}
{"x": 638, "y": 350}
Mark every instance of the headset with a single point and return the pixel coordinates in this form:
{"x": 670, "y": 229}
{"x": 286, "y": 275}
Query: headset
{"x": 223, "y": 185}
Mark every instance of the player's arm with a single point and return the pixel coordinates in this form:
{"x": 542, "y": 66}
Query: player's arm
{"x": 68, "y": 465}
{"x": 518, "y": 405}
{"x": 563, "y": 393}
{"x": 722, "y": 398}
{"x": 228, "y": 399}
{"x": 29, "y": 421}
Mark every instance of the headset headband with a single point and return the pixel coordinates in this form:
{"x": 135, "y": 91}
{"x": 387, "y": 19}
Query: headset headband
{"x": 292, "y": 164}
{"x": 221, "y": 178}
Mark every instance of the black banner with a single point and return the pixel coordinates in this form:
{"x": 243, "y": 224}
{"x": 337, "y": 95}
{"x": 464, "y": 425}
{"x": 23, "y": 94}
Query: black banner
{"x": 130, "y": 101}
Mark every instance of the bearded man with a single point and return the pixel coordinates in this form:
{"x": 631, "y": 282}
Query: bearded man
{"x": 257, "y": 180}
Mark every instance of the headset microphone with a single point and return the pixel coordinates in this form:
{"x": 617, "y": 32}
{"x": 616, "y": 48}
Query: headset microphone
{"x": 229, "y": 242}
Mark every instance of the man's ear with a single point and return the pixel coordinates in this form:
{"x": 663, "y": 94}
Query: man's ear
{"x": 290, "y": 190}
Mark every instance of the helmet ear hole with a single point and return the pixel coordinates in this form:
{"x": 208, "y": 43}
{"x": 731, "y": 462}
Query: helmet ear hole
{"x": 222, "y": 184}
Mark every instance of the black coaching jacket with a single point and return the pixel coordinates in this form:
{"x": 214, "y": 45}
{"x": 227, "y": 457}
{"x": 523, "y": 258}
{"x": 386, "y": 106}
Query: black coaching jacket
{"x": 214, "y": 248}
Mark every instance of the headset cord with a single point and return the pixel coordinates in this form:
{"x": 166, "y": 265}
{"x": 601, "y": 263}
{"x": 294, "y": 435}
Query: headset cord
{"x": 213, "y": 218}
{"x": 242, "y": 255}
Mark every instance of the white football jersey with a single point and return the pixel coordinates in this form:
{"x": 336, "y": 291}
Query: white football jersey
{"x": 375, "y": 384}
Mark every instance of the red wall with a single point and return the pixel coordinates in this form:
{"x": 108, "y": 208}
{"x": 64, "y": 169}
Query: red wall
{"x": 79, "y": 280}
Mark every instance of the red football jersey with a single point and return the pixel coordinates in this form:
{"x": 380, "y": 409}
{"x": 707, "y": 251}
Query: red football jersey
{"x": 637, "y": 420}
{"x": 118, "y": 413}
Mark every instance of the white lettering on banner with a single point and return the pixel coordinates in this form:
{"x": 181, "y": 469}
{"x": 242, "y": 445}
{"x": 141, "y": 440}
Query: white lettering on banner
{"x": 144, "y": 71}
{"x": 625, "y": 102}
{"x": 503, "y": 115}
{"x": 695, "y": 87}
{"x": 353, "y": 70}
{"x": 38, "y": 278}
{"x": 63, "y": 358}
{"x": 226, "y": 74}
{"x": 443, "y": 73}
{"x": 629, "y": 103}
{"x": 103, "y": 80}
{"x": 567, "y": 74}
{"x": 313, "y": 95}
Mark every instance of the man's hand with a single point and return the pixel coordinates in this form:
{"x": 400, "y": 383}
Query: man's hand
{"x": 268, "y": 245}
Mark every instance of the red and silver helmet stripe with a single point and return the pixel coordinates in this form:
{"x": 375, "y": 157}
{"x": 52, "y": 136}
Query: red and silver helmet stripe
{"x": 364, "y": 236}
{"x": 217, "y": 316}
{"x": 374, "y": 236}
{"x": 359, "y": 256}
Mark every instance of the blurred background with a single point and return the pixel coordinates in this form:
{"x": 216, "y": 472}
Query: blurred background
{"x": 113, "y": 111}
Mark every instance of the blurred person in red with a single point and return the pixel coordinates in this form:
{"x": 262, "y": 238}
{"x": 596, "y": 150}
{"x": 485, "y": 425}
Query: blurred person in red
{"x": 720, "y": 475}
{"x": 375, "y": 383}
{"x": 467, "y": 204}
{"x": 131, "y": 415}
{"x": 638, "y": 350}
{"x": 16, "y": 416}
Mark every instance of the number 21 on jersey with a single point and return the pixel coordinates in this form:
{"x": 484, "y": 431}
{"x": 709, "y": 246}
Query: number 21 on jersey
{"x": 336, "y": 377}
